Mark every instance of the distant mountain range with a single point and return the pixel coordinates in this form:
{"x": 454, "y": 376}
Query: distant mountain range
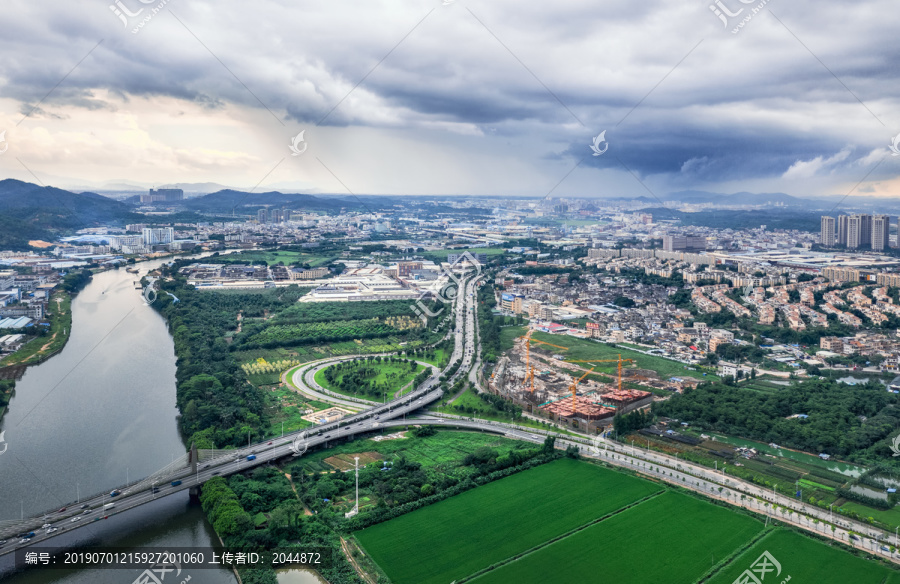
{"x": 742, "y": 198}
{"x": 825, "y": 204}
{"x": 242, "y": 203}
{"x": 29, "y": 211}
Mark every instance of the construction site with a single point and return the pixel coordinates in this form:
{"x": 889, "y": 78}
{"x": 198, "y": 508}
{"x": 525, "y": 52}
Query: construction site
{"x": 537, "y": 376}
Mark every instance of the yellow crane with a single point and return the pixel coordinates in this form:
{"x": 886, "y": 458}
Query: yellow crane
{"x": 529, "y": 369}
{"x": 575, "y": 385}
{"x": 619, "y": 361}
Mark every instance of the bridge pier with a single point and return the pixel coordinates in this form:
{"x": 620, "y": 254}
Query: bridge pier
{"x": 195, "y": 493}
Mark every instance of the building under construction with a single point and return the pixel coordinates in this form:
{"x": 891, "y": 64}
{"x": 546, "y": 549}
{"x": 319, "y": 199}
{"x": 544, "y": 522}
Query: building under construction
{"x": 537, "y": 376}
{"x": 579, "y": 407}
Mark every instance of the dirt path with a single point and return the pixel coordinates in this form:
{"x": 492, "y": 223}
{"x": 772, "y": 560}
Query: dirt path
{"x": 362, "y": 573}
{"x": 296, "y": 494}
{"x": 47, "y": 346}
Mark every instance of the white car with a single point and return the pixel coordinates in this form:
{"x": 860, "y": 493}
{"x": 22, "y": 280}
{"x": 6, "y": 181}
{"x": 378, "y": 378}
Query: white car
{"x": 52, "y": 529}
{"x": 45, "y": 526}
{"x": 74, "y": 519}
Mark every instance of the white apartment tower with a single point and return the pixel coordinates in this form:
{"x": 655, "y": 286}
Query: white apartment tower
{"x": 881, "y": 232}
{"x": 827, "y": 237}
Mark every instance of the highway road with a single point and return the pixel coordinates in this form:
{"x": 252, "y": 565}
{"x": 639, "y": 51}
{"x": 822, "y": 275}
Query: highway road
{"x": 73, "y": 515}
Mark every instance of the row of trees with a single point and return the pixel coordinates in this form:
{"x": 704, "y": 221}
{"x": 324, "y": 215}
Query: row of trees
{"x": 217, "y": 403}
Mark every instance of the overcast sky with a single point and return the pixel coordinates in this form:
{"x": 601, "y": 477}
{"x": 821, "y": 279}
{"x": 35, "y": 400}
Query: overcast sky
{"x": 467, "y": 97}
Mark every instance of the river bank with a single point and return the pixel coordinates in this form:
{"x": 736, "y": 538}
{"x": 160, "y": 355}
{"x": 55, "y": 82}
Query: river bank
{"x": 38, "y": 349}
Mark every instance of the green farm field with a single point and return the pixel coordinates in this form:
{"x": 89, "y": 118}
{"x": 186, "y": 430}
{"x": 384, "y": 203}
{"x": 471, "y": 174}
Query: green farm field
{"x": 807, "y": 560}
{"x": 670, "y": 538}
{"x": 583, "y": 349}
{"x": 469, "y": 532}
{"x": 473, "y": 530}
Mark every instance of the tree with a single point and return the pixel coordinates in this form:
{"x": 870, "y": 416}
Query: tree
{"x": 624, "y": 302}
{"x": 549, "y": 444}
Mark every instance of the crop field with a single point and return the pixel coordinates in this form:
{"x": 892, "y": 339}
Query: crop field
{"x": 807, "y": 560}
{"x": 670, "y": 538}
{"x": 583, "y": 349}
{"x": 328, "y": 322}
{"x": 475, "y": 529}
{"x": 316, "y": 332}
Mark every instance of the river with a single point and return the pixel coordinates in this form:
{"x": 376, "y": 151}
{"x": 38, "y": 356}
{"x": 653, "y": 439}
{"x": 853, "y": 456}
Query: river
{"x": 100, "y": 412}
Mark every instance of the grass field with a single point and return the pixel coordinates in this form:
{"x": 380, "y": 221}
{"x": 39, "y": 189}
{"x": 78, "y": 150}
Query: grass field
{"x": 471, "y": 531}
{"x": 397, "y": 375}
{"x": 583, "y": 349}
{"x": 807, "y": 560}
{"x": 481, "y": 410}
{"x": 444, "y": 448}
{"x": 38, "y": 348}
{"x": 510, "y": 333}
{"x": 669, "y": 538}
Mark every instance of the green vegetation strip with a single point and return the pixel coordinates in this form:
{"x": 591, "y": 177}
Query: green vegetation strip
{"x": 670, "y": 538}
{"x": 807, "y": 560}
{"x": 480, "y": 527}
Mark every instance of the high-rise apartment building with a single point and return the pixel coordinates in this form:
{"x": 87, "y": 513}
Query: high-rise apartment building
{"x": 881, "y": 232}
{"x": 163, "y": 196}
{"x": 859, "y": 230}
{"x": 158, "y": 236}
{"x": 827, "y": 236}
{"x": 262, "y": 216}
{"x": 842, "y": 229}
{"x": 683, "y": 243}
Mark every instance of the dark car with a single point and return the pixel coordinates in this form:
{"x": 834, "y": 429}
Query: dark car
{"x": 61, "y": 510}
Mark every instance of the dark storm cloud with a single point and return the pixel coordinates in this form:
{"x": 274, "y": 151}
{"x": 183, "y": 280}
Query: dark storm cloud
{"x": 732, "y": 107}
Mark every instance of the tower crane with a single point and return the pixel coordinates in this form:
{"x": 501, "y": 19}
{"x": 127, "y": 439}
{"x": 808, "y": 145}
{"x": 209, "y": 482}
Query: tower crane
{"x": 619, "y": 361}
{"x": 529, "y": 369}
{"x": 575, "y": 385}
